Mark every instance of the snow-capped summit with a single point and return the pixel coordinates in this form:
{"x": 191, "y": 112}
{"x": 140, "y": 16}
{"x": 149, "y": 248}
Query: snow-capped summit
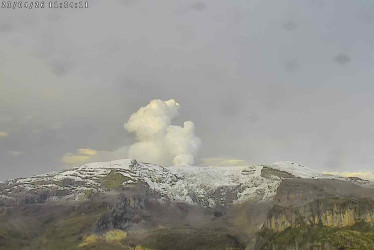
{"x": 207, "y": 186}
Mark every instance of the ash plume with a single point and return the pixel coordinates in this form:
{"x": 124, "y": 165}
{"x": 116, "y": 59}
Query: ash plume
{"x": 157, "y": 140}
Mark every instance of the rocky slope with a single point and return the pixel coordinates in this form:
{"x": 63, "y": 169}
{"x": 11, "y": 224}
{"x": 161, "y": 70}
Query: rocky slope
{"x": 330, "y": 203}
{"x": 129, "y": 205}
{"x": 326, "y": 212}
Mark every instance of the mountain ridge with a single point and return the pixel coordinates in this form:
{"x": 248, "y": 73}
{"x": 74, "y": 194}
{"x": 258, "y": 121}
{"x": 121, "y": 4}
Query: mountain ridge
{"x": 192, "y": 184}
{"x": 129, "y": 205}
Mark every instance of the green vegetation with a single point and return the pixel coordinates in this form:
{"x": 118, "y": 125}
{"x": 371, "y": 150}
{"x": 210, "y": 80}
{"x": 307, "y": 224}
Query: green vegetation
{"x": 319, "y": 237}
{"x": 89, "y": 193}
{"x": 190, "y": 238}
{"x": 48, "y": 227}
{"x": 67, "y": 232}
{"x": 362, "y": 227}
{"x": 347, "y": 239}
{"x": 113, "y": 180}
{"x": 109, "y": 240}
{"x": 71, "y": 226}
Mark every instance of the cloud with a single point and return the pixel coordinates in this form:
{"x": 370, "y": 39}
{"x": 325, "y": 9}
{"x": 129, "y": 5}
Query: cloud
{"x": 83, "y": 155}
{"x": 198, "y": 6}
{"x": 291, "y": 66}
{"x": 342, "y": 59}
{"x": 72, "y": 159}
{"x": 290, "y": 25}
{"x": 3, "y": 134}
{"x": 6, "y": 119}
{"x": 157, "y": 140}
{"x": 15, "y": 153}
{"x": 87, "y": 151}
{"x": 366, "y": 175}
{"x": 86, "y": 155}
{"x": 117, "y": 154}
{"x": 5, "y": 28}
{"x": 224, "y": 162}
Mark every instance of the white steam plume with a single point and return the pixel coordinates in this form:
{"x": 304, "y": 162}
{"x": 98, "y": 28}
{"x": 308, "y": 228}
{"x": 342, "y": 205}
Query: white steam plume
{"x": 158, "y": 141}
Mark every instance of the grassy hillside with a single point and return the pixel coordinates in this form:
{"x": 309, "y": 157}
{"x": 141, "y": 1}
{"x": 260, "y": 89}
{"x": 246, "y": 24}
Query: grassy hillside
{"x": 359, "y": 237}
{"x": 47, "y": 226}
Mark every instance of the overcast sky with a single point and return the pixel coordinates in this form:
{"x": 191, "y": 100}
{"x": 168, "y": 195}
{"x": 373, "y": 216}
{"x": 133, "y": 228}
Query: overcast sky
{"x": 262, "y": 81}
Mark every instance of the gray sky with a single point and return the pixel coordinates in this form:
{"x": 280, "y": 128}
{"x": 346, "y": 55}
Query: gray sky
{"x": 263, "y": 81}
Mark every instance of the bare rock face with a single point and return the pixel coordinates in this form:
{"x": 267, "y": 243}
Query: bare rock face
{"x": 326, "y": 212}
{"x": 124, "y": 214}
{"x": 332, "y": 203}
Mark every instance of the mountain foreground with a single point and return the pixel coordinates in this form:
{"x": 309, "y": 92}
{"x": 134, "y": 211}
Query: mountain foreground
{"x": 129, "y": 205}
